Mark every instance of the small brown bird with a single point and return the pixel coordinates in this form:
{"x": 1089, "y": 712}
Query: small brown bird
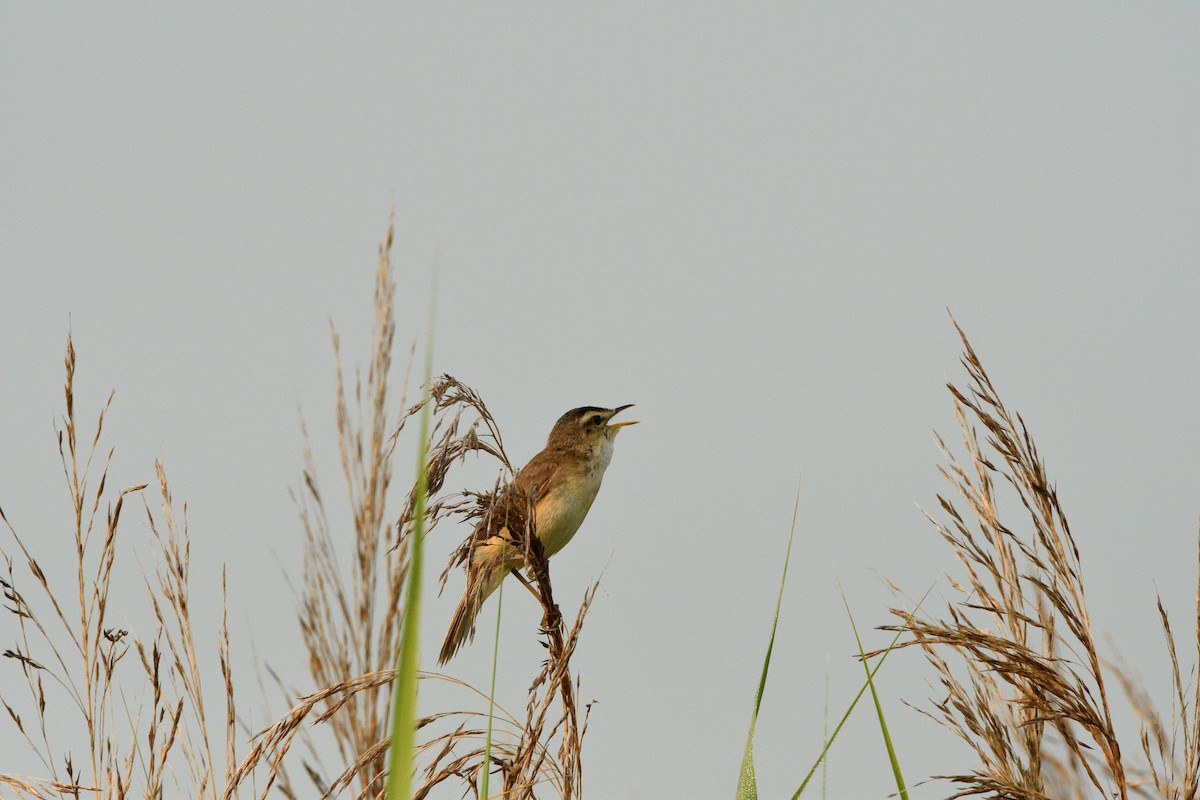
{"x": 562, "y": 481}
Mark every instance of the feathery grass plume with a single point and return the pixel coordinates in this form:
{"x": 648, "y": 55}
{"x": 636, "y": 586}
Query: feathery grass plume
{"x": 1024, "y": 684}
{"x": 1172, "y": 751}
{"x": 350, "y": 619}
{"x": 69, "y": 651}
{"x": 170, "y": 601}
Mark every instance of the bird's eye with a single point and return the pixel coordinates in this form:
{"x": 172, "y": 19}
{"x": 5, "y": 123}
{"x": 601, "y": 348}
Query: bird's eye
{"x": 596, "y": 420}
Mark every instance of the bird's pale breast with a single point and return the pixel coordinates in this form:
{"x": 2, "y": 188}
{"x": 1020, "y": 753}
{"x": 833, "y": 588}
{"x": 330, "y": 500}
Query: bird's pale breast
{"x": 560, "y": 513}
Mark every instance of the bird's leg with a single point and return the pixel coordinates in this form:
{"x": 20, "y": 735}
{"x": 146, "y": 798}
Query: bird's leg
{"x": 525, "y": 582}
{"x": 550, "y": 619}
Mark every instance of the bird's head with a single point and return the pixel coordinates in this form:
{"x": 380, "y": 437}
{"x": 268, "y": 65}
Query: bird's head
{"x": 586, "y": 427}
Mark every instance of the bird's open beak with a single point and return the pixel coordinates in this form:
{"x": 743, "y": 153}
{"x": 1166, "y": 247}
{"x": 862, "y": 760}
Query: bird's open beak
{"x": 618, "y": 410}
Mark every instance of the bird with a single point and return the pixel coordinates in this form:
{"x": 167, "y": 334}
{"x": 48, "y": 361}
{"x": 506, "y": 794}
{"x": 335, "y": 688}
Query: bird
{"x": 560, "y": 482}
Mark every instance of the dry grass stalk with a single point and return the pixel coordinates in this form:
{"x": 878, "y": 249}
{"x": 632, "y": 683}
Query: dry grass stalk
{"x": 350, "y": 620}
{"x": 68, "y": 650}
{"x": 1030, "y": 694}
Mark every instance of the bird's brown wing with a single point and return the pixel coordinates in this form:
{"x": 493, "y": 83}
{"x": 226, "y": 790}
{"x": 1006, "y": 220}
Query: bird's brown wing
{"x": 512, "y": 506}
{"x": 538, "y": 474}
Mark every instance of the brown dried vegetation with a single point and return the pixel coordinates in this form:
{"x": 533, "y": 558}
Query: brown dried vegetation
{"x": 145, "y": 724}
{"x": 1019, "y": 669}
{"x": 1023, "y": 682}
{"x": 69, "y": 651}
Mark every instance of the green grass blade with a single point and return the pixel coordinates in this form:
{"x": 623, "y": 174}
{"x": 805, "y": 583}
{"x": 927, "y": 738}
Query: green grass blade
{"x": 887, "y": 739}
{"x": 747, "y": 787}
{"x": 487, "y": 742}
{"x": 821, "y": 758}
{"x": 402, "y": 750}
{"x": 825, "y": 730}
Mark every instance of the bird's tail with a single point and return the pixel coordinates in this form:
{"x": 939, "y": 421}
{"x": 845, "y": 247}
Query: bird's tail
{"x": 462, "y": 626}
{"x": 479, "y": 587}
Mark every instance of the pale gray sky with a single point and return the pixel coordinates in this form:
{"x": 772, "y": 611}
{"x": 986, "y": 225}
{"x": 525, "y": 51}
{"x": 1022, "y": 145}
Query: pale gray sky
{"x": 747, "y": 220}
